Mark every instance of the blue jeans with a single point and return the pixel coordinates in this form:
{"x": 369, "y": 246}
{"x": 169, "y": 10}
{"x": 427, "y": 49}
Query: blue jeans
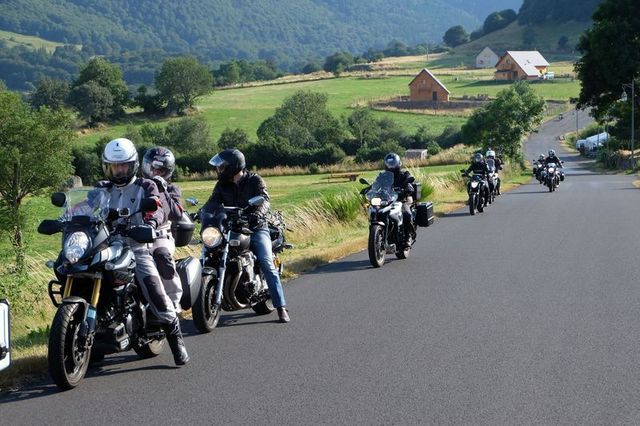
{"x": 261, "y": 247}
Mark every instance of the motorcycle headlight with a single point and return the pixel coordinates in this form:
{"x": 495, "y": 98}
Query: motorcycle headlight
{"x": 211, "y": 237}
{"x": 474, "y": 184}
{"x": 376, "y": 201}
{"x": 551, "y": 170}
{"x": 76, "y": 246}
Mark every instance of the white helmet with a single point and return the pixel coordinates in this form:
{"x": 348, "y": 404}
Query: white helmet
{"x": 490, "y": 153}
{"x": 120, "y": 161}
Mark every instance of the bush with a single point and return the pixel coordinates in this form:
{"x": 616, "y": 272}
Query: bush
{"x": 344, "y": 207}
{"x": 377, "y": 153}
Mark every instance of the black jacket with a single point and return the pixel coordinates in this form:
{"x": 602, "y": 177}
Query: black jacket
{"x": 230, "y": 194}
{"x": 401, "y": 179}
{"x": 553, "y": 160}
{"x": 170, "y": 197}
{"x": 479, "y": 169}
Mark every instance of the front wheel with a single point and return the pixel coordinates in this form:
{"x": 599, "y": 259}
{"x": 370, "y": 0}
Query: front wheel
{"x": 68, "y": 356}
{"x": 376, "y": 245}
{"x": 472, "y": 204}
{"x": 480, "y": 204}
{"x": 205, "y": 312}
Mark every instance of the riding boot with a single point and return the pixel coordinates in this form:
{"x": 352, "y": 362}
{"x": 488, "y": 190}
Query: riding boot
{"x": 176, "y": 343}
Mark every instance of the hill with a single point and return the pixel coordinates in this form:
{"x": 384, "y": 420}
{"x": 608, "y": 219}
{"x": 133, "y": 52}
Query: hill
{"x": 285, "y": 31}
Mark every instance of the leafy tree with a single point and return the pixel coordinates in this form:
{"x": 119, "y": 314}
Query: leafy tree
{"x": 504, "y": 122}
{"x": 189, "y": 134}
{"x": 99, "y": 72}
{"x": 476, "y": 34}
{"x": 498, "y": 20}
{"x": 181, "y": 81}
{"x": 529, "y": 37}
{"x": 150, "y": 103}
{"x": 455, "y": 36}
{"x": 338, "y": 62}
{"x": 363, "y": 126}
{"x": 233, "y": 139}
{"x": 50, "y": 93}
{"x": 562, "y": 42}
{"x": 610, "y": 56}
{"x": 35, "y": 155}
{"x": 94, "y": 102}
{"x": 311, "y": 67}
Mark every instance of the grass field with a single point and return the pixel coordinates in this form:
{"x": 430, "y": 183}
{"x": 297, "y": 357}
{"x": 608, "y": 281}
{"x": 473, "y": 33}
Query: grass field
{"x": 247, "y": 107}
{"x": 14, "y": 39}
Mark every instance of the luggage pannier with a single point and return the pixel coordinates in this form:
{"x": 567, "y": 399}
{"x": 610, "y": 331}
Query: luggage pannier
{"x": 424, "y": 213}
{"x": 182, "y": 230}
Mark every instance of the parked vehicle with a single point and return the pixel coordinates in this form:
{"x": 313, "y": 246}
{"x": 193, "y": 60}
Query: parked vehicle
{"x": 386, "y": 231}
{"x": 231, "y": 276}
{"x": 5, "y": 335}
{"x": 101, "y": 309}
{"x": 477, "y": 191}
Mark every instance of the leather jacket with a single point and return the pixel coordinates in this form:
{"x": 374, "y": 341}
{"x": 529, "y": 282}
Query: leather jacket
{"x": 232, "y": 194}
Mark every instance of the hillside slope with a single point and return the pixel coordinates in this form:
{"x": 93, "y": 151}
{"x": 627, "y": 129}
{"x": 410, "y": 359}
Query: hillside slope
{"x": 287, "y": 31}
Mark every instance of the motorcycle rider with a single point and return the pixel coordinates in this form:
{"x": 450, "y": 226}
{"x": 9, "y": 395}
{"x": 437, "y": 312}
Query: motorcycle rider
{"x": 553, "y": 158}
{"x": 158, "y": 164}
{"x": 235, "y": 186}
{"x": 537, "y": 170}
{"x": 402, "y": 179}
{"x": 120, "y": 164}
{"x": 479, "y": 167}
{"x": 491, "y": 154}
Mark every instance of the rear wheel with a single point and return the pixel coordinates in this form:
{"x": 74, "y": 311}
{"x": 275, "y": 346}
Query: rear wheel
{"x": 205, "y": 312}
{"x": 68, "y": 358}
{"x": 376, "y": 245}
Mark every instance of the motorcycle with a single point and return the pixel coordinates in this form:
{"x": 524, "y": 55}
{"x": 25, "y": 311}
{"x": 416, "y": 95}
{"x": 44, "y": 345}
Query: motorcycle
{"x": 386, "y": 233}
{"x": 538, "y": 170}
{"x": 231, "y": 277}
{"x": 552, "y": 176}
{"x": 492, "y": 180}
{"x": 477, "y": 192}
{"x": 100, "y": 307}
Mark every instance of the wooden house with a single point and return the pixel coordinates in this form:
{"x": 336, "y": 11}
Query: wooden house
{"x": 521, "y": 65}
{"x": 487, "y": 58}
{"x": 426, "y": 87}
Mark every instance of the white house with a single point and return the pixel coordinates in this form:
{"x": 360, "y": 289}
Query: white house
{"x": 486, "y": 59}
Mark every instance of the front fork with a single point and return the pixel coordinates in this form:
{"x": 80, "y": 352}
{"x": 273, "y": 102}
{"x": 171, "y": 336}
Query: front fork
{"x": 222, "y": 270}
{"x": 88, "y": 328}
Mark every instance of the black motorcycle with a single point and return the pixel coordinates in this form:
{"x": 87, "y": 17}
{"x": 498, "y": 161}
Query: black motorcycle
{"x": 101, "y": 309}
{"x": 552, "y": 176}
{"x": 386, "y": 233}
{"x": 231, "y": 277}
{"x": 477, "y": 191}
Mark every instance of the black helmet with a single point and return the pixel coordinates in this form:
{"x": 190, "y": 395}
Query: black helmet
{"x": 158, "y": 161}
{"x": 392, "y": 162}
{"x": 228, "y": 163}
{"x": 552, "y": 153}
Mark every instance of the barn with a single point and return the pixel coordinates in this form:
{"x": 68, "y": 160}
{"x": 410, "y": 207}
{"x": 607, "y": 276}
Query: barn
{"x": 426, "y": 87}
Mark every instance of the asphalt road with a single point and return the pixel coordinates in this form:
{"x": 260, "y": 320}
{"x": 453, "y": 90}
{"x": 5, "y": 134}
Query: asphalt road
{"x": 527, "y": 313}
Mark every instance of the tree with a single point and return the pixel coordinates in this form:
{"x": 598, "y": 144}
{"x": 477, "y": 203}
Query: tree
{"x": 183, "y": 80}
{"x": 35, "y": 155}
{"x": 363, "y": 126}
{"x": 233, "y": 139}
{"x": 455, "y": 36}
{"x": 50, "y": 93}
{"x": 498, "y": 20}
{"x": 506, "y": 120}
{"x": 99, "y": 72}
{"x": 93, "y": 101}
{"x": 529, "y": 37}
{"x": 338, "y": 62}
{"x": 610, "y": 55}
{"x": 562, "y": 42}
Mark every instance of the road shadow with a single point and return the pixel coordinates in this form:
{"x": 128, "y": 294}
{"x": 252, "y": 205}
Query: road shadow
{"x": 232, "y": 320}
{"x": 456, "y": 214}
{"x": 343, "y": 266}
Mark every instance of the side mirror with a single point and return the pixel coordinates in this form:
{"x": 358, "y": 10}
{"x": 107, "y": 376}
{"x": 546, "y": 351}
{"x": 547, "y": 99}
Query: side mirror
{"x": 256, "y": 201}
{"x": 5, "y": 335}
{"x": 411, "y": 179}
{"x": 58, "y": 199}
{"x": 363, "y": 181}
{"x": 192, "y": 201}
{"x": 148, "y": 205}
{"x": 142, "y": 233}
{"x": 561, "y": 161}
{"x": 49, "y": 227}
